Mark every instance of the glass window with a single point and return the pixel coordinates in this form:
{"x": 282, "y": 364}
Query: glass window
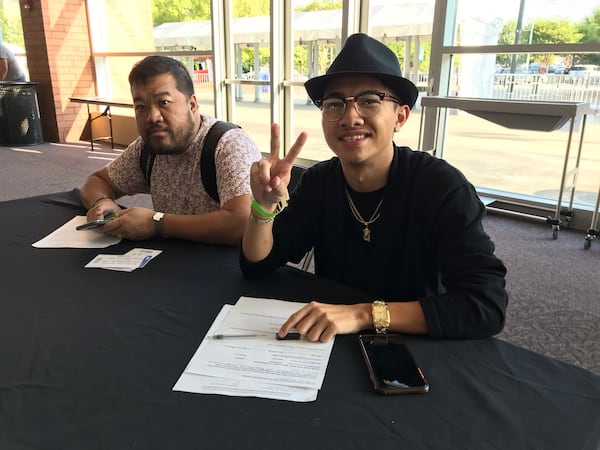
{"x": 250, "y": 28}
{"x": 517, "y": 50}
{"x": 512, "y": 22}
{"x": 148, "y": 27}
{"x": 406, "y": 27}
{"x": 317, "y": 36}
{"x": 524, "y": 51}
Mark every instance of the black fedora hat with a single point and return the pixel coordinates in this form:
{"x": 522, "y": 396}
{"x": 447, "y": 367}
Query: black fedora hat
{"x": 363, "y": 55}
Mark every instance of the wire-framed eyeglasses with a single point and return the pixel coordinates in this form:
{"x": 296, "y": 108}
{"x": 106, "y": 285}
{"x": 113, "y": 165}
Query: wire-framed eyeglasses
{"x": 367, "y": 104}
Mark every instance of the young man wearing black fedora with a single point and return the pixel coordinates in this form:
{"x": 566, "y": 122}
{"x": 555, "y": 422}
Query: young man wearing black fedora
{"x": 400, "y": 225}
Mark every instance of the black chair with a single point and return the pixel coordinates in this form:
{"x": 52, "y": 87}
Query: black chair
{"x": 306, "y": 263}
{"x": 297, "y": 172}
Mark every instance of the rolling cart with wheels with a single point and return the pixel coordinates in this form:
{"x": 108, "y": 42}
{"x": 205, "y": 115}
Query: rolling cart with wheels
{"x": 593, "y": 232}
{"x": 518, "y": 115}
{"x": 568, "y": 181}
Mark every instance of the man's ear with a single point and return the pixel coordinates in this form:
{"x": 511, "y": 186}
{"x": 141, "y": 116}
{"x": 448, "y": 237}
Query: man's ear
{"x": 402, "y": 114}
{"x": 193, "y": 102}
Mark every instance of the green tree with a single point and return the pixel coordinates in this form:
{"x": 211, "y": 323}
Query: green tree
{"x": 164, "y": 11}
{"x": 187, "y": 10}
{"x": 251, "y": 8}
{"x": 301, "y": 59}
{"x": 545, "y": 31}
{"x": 554, "y": 32}
{"x": 322, "y": 5}
{"x": 325, "y": 51}
{"x": 590, "y": 27}
{"x": 590, "y": 30}
{"x": 10, "y": 22}
{"x": 425, "y": 47}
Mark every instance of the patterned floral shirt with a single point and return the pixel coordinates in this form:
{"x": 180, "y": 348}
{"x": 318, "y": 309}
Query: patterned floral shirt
{"x": 175, "y": 184}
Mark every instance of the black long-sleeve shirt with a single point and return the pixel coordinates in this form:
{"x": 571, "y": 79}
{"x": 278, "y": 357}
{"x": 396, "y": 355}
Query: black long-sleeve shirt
{"x": 428, "y": 243}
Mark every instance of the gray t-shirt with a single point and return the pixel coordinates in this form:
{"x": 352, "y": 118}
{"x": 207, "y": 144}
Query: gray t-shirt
{"x": 14, "y": 70}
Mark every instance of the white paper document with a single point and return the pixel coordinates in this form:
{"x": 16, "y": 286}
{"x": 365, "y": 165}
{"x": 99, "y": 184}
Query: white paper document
{"x": 259, "y": 366}
{"x": 67, "y": 236}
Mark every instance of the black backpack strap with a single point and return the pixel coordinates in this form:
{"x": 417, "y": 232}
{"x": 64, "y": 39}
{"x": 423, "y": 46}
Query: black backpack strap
{"x": 146, "y": 162}
{"x": 208, "y": 169}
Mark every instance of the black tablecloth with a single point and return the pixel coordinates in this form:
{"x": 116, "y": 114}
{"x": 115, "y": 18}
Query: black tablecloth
{"x": 89, "y": 358}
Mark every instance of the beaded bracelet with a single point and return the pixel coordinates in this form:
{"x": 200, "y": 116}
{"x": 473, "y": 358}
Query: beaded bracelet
{"x": 260, "y": 221}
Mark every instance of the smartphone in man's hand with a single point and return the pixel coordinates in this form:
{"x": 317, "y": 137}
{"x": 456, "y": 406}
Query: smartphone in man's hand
{"x": 96, "y": 223}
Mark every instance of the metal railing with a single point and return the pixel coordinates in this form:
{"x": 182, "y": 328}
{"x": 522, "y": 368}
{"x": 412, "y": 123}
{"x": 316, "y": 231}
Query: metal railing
{"x": 557, "y": 88}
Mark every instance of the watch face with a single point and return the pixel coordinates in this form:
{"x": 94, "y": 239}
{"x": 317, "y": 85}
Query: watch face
{"x": 158, "y": 216}
{"x": 381, "y": 316}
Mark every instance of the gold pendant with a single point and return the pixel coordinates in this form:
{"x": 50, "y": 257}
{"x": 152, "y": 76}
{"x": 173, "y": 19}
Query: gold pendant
{"x": 366, "y": 234}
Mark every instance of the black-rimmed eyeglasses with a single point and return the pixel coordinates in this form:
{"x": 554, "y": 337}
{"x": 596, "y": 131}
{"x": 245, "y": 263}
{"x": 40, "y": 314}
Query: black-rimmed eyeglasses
{"x": 367, "y": 105}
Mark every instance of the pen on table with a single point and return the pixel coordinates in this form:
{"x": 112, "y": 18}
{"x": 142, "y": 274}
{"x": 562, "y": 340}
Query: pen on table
{"x": 288, "y": 337}
{"x": 228, "y": 336}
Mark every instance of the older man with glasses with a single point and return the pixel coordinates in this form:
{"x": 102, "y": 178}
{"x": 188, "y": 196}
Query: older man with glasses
{"x": 399, "y": 225}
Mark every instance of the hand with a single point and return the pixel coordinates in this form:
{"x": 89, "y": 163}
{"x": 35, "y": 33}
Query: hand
{"x": 133, "y": 223}
{"x": 103, "y": 208}
{"x": 270, "y": 177}
{"x": 321, "y": 322}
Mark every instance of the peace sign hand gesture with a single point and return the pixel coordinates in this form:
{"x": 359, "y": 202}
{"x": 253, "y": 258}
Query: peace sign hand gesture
{"x": 270, "y": 177}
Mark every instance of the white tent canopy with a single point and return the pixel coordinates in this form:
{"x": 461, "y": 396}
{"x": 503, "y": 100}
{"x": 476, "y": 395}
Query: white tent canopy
{"x": 389, "y": 22}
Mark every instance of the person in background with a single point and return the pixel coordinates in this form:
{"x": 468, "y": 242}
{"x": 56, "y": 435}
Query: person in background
{"x": 399, "y": 225}
{"x": 10, "y": 70}
{"x": 172, "y": 128}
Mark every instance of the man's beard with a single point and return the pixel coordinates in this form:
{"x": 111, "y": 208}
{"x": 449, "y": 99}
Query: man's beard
{"x": 178, "y": 142}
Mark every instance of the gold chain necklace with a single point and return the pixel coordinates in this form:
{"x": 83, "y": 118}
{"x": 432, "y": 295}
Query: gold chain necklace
{"x": 357, "y": 216}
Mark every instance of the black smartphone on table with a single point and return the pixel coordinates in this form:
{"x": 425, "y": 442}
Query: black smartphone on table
{"x": 392, "y": 368}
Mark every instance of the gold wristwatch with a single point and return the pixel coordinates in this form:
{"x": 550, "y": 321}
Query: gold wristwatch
{"x": 381, "y": 316}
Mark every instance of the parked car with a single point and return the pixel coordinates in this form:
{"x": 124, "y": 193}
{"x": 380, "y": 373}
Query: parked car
{"x": 558, "y": 69}
{"x": 518, "y": 70}
{"x": 584, "y": 69}
{"x": 534, "y": 67}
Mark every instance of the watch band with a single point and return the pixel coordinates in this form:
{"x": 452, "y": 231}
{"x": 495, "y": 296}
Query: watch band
{"x": 381, "y": 316}
{"x": 158, "y": 223}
